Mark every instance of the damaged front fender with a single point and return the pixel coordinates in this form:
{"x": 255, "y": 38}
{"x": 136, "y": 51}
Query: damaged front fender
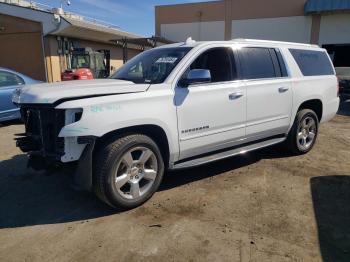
{"x": 84, "y": 170}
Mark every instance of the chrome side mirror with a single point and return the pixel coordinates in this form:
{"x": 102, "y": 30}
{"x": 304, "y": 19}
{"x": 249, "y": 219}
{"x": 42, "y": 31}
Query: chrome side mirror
{"x": 196, "y": 76}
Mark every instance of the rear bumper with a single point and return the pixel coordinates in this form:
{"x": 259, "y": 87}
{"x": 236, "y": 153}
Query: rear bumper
{"x": 330, "y": 109}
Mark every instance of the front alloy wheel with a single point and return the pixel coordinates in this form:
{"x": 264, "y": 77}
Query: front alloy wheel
{"x": 128, "y": 170}
{"x": 136, "y": 172}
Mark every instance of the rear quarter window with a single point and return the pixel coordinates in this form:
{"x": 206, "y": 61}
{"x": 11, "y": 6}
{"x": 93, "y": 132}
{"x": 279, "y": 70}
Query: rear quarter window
{"x": 312, "y": 63}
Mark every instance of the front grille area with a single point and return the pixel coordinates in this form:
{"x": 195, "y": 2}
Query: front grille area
{"x": 42, "y": 126}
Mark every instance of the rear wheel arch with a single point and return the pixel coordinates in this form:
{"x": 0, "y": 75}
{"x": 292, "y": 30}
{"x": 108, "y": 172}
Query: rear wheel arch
{"x": 315, "y": 105}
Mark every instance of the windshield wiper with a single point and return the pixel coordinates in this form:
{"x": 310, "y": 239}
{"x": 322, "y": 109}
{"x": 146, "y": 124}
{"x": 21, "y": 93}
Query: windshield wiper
{"x": 124, "y": 78}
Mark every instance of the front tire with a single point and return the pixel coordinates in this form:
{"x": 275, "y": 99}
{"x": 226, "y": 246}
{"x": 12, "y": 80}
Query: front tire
{"x": 128, "y": 171}
{"x": 303, "y": 134}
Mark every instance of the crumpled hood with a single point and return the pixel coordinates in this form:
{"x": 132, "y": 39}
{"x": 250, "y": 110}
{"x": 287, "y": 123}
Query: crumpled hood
{"x": 48, "y": 93}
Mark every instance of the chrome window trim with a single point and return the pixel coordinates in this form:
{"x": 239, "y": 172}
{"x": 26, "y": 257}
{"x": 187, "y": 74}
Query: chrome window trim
{"x": 213, "y": 83}
{"x": 238, "y": 81}
{"x": 267, "y": 79}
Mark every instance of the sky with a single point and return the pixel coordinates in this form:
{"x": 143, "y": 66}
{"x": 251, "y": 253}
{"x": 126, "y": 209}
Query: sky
{"x": 135, "y": 16}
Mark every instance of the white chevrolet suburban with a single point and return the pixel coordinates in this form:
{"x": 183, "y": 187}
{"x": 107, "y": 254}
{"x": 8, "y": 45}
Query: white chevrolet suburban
{"x": 177, "y": 106}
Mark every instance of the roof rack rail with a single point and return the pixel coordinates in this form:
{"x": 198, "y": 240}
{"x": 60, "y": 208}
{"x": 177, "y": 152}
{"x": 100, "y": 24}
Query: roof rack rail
{"x": 271, "y": 41}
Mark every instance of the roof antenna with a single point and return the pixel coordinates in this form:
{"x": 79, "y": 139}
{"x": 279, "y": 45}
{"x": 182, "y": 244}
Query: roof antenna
{"x": 189, "y": 41}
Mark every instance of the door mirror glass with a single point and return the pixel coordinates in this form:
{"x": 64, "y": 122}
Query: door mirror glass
{"x": 196, "y": 76}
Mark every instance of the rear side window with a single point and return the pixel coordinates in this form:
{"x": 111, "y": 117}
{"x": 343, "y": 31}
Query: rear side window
{"x": 257, "y": 62}
{"x": 312, "y": 63}
{"x": 9, "y": 79}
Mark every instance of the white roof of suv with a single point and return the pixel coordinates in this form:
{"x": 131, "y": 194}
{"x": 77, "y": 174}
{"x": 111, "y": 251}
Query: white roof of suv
{"x": 192, "y": 43}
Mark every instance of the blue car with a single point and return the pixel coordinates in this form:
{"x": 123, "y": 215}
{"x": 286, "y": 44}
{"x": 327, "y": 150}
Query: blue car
{"x": 9, "y": 81}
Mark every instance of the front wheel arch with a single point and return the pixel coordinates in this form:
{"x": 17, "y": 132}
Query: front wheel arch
{"x": 155, "y": 132}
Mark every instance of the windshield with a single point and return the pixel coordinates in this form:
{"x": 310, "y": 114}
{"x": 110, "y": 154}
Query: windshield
{"x": 152, "y": 66}
{"x": 80, "y": 61}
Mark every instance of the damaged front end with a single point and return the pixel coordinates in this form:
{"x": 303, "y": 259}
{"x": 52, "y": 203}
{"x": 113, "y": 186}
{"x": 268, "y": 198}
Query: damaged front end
{"x": 41, "y": 140}
{"x": 47, "y": 150}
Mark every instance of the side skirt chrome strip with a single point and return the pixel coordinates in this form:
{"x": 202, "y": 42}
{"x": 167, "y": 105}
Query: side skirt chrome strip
{"x": 226, "y": 154}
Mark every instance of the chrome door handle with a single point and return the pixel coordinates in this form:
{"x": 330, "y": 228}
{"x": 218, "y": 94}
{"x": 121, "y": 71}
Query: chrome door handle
{"x": 235, "y": 95}
{"x": 283, "y": 89}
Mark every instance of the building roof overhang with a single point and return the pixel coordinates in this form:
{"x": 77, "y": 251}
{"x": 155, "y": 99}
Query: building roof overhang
{"x": 142, "y": 42}
{"x": 67, "y": 24}
{"x": 326, "y": 6}
{"x": 82, "y": 29}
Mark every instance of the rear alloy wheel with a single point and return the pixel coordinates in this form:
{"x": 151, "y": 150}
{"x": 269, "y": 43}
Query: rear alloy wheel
{"x": 303, "y": 133}
{"x": 306, "y": 133}
{"x": 128, "y": 171}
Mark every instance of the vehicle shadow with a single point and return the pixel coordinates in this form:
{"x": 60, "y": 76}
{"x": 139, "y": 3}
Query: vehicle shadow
{"x": 344, "y": 108}
{"x": 331, "y": 198}
{"x": 31, "y": 198}
{"x": 10, "y": 123}
{"x": 185, "y": 176}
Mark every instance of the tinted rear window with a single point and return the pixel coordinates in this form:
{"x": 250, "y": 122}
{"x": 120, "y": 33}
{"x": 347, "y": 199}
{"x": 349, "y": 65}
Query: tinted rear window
{"x": 256, "y": 63}
{"x": 312, "y": 63}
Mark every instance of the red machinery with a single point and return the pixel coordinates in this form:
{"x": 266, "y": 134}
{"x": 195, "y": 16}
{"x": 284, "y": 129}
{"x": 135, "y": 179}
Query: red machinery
{"x": 77, "y": 74}
{"x": 87, "y": 64}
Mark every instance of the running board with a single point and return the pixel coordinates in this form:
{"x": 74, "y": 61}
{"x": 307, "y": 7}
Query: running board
{"x": 226, "y": 154}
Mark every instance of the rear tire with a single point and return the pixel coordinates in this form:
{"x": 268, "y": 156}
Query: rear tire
{"x": 303, "y": 134}
{"x": 128, "y": 171}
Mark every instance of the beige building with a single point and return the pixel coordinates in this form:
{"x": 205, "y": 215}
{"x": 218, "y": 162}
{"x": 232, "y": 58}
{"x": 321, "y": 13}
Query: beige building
{"x": 37, "y": 41}
{"x": 323, "y": 22}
